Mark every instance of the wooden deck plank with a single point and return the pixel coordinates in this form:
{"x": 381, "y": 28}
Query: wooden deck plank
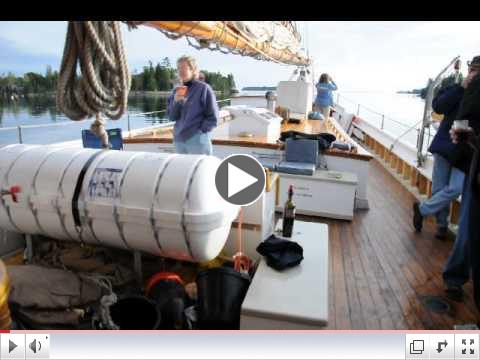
{"x": 413, "y": 272}
{"x": 380, "y": 268}
{"x": 367, "y": 301}
{"x": 428, "y": 251}
{"x": 331, "y": 294}
{"x": 388, "y": 308}
{"x": 342, "y": 311}
{"x": 351, "y": 280}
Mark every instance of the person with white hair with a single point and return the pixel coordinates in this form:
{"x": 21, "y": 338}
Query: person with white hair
{"x": 193, "y": 107}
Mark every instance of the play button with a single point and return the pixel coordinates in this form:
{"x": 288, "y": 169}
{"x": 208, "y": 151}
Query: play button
{"x": 11, "y": 346}
{"x": 240, "y": 179}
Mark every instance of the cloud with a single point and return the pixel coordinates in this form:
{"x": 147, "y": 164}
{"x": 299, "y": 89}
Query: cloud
{"x": 373, "y": 55}
{"x": 41, "y": 38}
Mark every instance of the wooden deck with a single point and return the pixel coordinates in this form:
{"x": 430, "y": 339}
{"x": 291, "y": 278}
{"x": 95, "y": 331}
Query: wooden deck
{"x": 380, "y": 268}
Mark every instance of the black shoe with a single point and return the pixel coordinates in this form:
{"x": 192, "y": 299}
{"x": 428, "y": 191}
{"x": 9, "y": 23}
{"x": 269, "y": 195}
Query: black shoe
{"x": 441, "y": 233}
{"x": 417, "y": 217}
{"x": 454, "y": 292}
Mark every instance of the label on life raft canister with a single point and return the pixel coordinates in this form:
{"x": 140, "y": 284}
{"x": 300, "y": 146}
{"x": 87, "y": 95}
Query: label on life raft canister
{"x": 105, "y": 183}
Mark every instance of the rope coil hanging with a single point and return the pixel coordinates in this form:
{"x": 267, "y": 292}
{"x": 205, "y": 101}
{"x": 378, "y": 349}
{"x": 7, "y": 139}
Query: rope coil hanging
{"x": 103, "y": 84}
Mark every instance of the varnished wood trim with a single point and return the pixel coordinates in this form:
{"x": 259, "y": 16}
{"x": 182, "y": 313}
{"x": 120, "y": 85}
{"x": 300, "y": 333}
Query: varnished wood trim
{"x": 248, "y": 144}
{"x": 455, "y": 212}
{"x": 394, "y": 161}
{"x": 247, "y": 226}
{"x": 414, "y": 177}
{"x": 407, "y": 171}
{"x": 387, "y": 155}
{"x": 400, "y": 166}
{"x": 422, "y": 184}
{"x": 272, "y": 180}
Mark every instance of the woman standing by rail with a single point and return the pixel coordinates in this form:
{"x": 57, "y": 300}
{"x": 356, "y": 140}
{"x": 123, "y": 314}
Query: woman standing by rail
{"x": 324, "y": 99}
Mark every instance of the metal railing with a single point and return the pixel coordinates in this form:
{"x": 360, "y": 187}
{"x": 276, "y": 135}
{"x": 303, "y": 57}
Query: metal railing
{"x": 20, "y": 129}
{"x": 384, "y": 119}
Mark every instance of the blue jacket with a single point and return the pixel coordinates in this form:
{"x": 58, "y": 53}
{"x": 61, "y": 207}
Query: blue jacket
{"x": 197, "y": 112}
{"x": 447, "y": 102}
{"x": 324, "y": 94}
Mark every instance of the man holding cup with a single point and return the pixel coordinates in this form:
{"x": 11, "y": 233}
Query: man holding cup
{"x": 448, "y": 176}
{"x": 465, "y": 129}
{"x": 193, "y": 107}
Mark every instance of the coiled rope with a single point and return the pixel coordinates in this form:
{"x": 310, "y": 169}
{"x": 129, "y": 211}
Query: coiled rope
{"x": 103, "y": 84}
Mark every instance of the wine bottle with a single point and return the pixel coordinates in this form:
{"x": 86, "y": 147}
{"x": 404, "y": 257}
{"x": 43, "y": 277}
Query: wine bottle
{"x": 288, "y": 214}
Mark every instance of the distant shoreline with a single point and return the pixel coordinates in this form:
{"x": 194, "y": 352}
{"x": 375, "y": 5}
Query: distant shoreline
{"x": 259, "y": 88}
{"x": 131, "y": 93}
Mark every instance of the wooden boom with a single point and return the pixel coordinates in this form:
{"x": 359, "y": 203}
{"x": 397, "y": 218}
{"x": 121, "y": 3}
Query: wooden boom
{"x": 219, "y": 32}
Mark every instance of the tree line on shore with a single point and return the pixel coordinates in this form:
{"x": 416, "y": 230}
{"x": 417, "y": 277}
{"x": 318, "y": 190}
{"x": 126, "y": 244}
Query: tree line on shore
{"x": 159, "y": 77}
{"x": 163, "y": 77}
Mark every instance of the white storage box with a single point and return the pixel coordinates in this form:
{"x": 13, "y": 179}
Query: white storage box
{"x": 256, "y": 121}
{"x": 326, "y": 193}
{"x": 297, "y": 96}
{"x": 163, "y": 204}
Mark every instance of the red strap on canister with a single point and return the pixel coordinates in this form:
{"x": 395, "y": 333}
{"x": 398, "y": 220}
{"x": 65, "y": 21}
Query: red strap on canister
{"x": 162, "y": 276}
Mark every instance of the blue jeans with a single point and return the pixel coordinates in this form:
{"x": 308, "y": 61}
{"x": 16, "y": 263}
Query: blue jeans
{"x": 447, "y": 184}
{"x": 457, "y": 270}
{"x": 199, "y": 143}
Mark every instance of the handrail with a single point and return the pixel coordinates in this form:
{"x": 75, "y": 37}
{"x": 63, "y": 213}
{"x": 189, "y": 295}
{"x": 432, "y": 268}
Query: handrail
{"x": 20, "y": 128}
{"x": 408, "y": 128}
{"x": 384, "y": 117}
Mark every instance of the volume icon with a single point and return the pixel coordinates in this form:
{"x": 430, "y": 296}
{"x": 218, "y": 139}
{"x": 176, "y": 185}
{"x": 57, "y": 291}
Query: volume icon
{"x": 35, "y": 346}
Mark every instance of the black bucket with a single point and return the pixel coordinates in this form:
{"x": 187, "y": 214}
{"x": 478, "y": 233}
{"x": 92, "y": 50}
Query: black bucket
{"x": 220, "y": 296}
{"x": 135, "y": 313}
{"x": 171, "y": 299}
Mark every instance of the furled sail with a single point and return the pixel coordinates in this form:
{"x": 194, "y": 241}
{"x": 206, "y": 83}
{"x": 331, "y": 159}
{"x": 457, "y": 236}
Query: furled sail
{"x": 277, "y": 41}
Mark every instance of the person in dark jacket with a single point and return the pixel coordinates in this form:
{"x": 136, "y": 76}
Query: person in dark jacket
{"x": 460, "y": 261}
{"x": 195, "y": 112}
{"x": 447, "y": 180}
{"x": 474, "y": 214}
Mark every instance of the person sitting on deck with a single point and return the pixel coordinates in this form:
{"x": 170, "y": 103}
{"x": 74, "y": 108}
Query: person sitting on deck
{"x": 447, "y": 178}
{"x": 460, "y": 261}
{"x": 324, "y": 99}
{"x": 195, "y": 111}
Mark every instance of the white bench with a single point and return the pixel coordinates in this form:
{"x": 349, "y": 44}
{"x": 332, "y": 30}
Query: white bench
{"x": 296, "y": 298}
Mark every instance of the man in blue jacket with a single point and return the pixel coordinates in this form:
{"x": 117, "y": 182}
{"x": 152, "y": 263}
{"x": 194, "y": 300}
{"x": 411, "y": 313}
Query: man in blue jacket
{"x": 447, "y": 179}
{"x": 194, "y": 110}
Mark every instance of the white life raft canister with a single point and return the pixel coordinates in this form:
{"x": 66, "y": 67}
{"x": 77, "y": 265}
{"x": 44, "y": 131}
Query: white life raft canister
{"x": 162, "y": 204}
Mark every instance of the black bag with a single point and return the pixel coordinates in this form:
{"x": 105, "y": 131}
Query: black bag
{"x": 280, "y": 253}
{"x": 324, "y": 139}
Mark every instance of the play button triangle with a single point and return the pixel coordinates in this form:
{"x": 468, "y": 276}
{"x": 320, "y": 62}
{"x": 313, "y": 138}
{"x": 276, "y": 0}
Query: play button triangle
{"x": 238, "y": 180}
{"x": 11, "y": 346}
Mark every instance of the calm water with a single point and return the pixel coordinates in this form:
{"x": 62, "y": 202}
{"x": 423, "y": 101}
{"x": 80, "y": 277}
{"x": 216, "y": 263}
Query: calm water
{"x": 38, "y": 110}
{"x": 401, "y": 112}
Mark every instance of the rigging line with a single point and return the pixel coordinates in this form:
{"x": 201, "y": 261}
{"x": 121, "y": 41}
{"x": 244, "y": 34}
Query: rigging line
{"x": 255, "y": 49}
{"x": 308, "y": 40}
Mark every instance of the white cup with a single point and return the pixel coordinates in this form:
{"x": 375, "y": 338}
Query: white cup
{"x": 460, "y": 125}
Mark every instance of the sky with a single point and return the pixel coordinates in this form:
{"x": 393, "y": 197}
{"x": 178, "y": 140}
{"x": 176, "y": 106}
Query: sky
{"x": 360, "y": 56}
